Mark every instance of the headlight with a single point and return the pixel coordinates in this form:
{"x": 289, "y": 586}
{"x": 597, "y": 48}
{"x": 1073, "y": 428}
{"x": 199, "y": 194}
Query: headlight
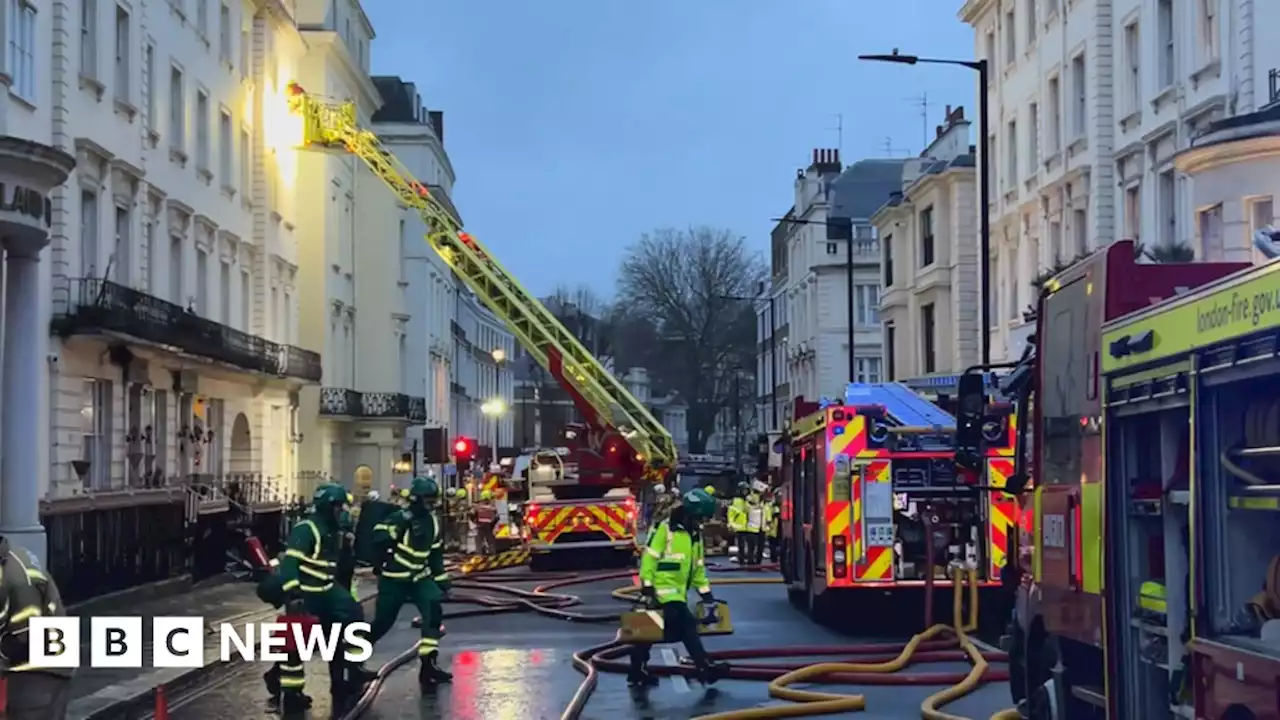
{"x": 838, "y": 557}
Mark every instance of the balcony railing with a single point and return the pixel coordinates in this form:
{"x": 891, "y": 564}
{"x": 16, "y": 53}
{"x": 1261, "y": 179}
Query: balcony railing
{"x": 1273, "y": 82}
{"x": 94, "y": 305}
{"x": 341, "y": 402}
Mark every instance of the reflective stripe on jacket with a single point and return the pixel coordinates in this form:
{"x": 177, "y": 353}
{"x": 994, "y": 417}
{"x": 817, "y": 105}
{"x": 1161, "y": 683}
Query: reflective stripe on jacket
{"x": 771, "y": 519}
{"x": 306, "y": 566}
{"x": 411, "y": 557}
{"x": 26, "y": 591}
{"x": 738, "y": 515}
{"x": 674, "y": 561}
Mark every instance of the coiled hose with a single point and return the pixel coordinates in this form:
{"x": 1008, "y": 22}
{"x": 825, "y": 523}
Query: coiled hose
{"x": 1261, "y": 429}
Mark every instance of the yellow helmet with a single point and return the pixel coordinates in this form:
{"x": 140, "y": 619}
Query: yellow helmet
{"x": 486, "y": 495}
{"x": 710, "y": 490}
{"x": 460, "y": 492}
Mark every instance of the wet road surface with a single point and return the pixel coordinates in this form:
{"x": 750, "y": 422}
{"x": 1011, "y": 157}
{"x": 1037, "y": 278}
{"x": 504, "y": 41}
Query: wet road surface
{"x": 517, "y": 667}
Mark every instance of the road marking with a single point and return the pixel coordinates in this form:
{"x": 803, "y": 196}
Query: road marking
{"x": 669, "y": 657}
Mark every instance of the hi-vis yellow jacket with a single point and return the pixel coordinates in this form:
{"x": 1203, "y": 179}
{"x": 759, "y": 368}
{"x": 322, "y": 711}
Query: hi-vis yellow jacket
{"x": 673, "y": 562}
{"x": 738, "y": 515}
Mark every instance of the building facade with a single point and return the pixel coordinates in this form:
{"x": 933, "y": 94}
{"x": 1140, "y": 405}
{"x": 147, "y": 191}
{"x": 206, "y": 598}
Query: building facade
{"x": 416, "y": 136}
{"x": 929, "y": 249}
{"x": 483, "y": 353}
{"x": 821, "y": 275}
{"x": 176, "y": 354}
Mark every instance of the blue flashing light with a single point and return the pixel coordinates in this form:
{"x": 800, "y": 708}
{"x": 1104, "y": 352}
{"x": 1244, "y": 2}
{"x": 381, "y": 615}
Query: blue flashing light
{"x": 838, "y": 430}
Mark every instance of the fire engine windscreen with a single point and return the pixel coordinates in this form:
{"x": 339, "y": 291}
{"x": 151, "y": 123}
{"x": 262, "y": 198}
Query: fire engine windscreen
{"x": 1064, "y": 387}
{"x": 1239, "y": 462}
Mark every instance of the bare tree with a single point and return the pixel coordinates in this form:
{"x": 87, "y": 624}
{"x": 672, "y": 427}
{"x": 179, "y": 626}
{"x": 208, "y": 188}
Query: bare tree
{"x": 581, "y": 299}
{"x": 686, "y": 285}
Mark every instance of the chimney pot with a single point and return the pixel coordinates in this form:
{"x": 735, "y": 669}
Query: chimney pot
{"x": 948, "y": 111}
{"x": 939, "y": 130}
{"x": 816, "y": 153}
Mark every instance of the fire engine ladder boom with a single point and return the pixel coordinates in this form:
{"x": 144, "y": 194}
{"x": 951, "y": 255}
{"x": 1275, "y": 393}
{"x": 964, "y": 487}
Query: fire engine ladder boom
{"x": 333, "y": 125}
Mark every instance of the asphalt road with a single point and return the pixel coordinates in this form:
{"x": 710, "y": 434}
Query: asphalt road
{"x": 517, "y": 667}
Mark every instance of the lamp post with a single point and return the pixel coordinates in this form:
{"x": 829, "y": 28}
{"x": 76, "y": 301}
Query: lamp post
{"x": 499, "y": 355}
{"x": 984, "y": 177}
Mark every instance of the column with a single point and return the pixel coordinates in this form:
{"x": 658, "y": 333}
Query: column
{"x": 24, "y": 420}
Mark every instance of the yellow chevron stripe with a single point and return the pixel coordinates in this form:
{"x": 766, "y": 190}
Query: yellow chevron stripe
{"x": 880, "y": 567}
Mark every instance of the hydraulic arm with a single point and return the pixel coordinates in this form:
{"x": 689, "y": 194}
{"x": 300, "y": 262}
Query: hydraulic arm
{"x": 599, "y": 395}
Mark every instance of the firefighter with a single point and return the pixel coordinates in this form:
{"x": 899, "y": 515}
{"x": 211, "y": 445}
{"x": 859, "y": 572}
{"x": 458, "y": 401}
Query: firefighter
{"x": 737, "y": 517}
{"x": 411, "y": 557}
{"x": 772, "y": 517}
{"x": 674, "y": 561}
{"x": 755, "y": 530}
{"x": 309, "y": 569}
{"x": 345, "y": 572}
{"x": 486, "y": 516}
{"x": 286, "y": 680}
{"x": 27, "y": 591}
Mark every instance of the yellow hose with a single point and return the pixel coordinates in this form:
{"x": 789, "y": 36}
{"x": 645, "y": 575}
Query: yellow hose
{"x": 812, "y": 702}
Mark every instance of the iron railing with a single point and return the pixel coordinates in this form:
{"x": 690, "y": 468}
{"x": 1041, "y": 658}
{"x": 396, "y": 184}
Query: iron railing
{"x": 1273, "y": 82}
{"x": 342, "y": 402}
{"x": 91, "y": 304}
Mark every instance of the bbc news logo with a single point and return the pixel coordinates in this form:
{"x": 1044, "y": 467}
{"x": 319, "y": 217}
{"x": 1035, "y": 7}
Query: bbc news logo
{"x": 181, "y": 642}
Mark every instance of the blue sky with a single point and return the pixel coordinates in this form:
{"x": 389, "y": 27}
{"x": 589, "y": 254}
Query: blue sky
{"x": 576, "y": 125}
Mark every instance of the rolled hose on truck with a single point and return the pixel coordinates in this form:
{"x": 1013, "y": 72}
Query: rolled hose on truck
{"x": 877, "y": 667}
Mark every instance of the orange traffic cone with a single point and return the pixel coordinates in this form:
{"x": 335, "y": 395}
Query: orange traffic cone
{"x": 162, "y": 705}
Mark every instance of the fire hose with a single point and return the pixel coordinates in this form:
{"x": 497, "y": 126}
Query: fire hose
{"x": 869, "y": 663}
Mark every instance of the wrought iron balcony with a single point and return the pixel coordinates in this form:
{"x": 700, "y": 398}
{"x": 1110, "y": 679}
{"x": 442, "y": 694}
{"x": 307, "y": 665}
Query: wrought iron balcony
{"x": 1273, "y": 85}
{"x": 341, "y": 402}
{"x": 91, "y": 305}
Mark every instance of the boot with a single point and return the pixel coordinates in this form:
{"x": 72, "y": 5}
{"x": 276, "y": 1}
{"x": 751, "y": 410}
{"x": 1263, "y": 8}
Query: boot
{"x": 294, "y": 703}
{"x": 641, "y": 679}
{"x": 710, "y": 672}
{"x": 430, "y": 673}
{"x": 359, "y": 675}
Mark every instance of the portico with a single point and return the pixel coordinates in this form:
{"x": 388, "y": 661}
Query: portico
{"x": 29, "y": 172}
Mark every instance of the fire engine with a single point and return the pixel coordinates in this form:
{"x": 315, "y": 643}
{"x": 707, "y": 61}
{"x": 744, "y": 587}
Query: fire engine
{"x": 1144, "y": 398}
{"x": 870, "y": 495}
{"x": 618, "y": 445}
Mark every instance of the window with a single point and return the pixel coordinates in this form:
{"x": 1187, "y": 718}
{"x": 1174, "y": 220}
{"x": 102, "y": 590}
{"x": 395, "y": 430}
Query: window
{"x": 1055, "y": 115}
{"x": 202, "y": 18}
{"x": 244, "y": 52}
{"x": 1010, "y": 37}
{"x": 95, "y": 417}
{"x": 246, "y": 302}
{"x": 287, "y": 311}
{"x": 991, "y": 159}
{"x": 246, "y": 165}
{"x": 1079, "y": 97}
{"x": 404, "y": 253}
{"x": 88, "y": 234}
{"x": 1015, "y": 288}
{"x": 997, "y": 286}
{"x": 153, "y": 270}
{"x": 887, "y": 257}
{"x": 202, "y": 130}
{"x": 1261, "y": 215}
{"x": 1033, "y": 138}
{"x": 1050, "y": 8}
{"x": 175, "y": 271}
{"x": 867, "y": 369}
{"x": 926, "y": 237}
{"x": 177, "y": 110}
{"x": 89, "y": 38}
{"x": 224, "y": 32}
{"x": 123, "y": 50}
{"x": 832, "y": 248}
{"x": 224, "y": 293}
{"x": 928, "y": 348}
{"x": 1080, "y": 226}
{"x": 226, "y": 146}
{"x": 202, "y": 282}
{"x": 868, "y": 304}
{"x": 123, "y": 265}
{"x": 1166, "y": 208}
{"x": 22, "y": 44}
{"x": 1133, "y": 212}
{"x": 1029, "y": 14}
{"x": 1011, "y": 148}
{"x": 149, "y": 67}
{"x": 1060, "y": 411}
{"x": 1208, "y": 26}
{"x": 1164, "y": 43}
{"x": 1055, "y": 242}
{"x": 991, "y": 52}
{"x": 1133, "y": 69}
{"x": 1210, "y": 221}
{"x": 275, "y": 314}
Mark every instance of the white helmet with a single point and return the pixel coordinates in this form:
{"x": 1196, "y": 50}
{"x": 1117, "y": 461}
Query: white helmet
{"x": 373, "y": 495}
{"x": 659, "y": 488}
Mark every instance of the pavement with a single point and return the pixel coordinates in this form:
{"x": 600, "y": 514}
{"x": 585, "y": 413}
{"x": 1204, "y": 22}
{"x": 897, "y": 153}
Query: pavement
{"x": 518, "y": 666}
{"x": 99, "y": 693}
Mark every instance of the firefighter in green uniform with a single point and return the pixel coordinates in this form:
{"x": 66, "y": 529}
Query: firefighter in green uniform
{"x": 412, "y": 571}
{"x": 673, "y": 562}
{"x": 345, "y": 572}
{"x": 309, "y": 570}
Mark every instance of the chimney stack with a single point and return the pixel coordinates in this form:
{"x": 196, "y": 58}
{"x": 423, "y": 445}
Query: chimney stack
{"x": 437, "y": 123}
{"x": 826, "y": 160}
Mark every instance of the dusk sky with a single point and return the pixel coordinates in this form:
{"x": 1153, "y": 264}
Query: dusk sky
{"x": 576, "y": 125}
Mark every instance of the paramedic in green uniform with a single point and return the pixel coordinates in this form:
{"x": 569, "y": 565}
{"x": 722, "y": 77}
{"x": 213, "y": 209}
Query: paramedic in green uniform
{"x": 673, "y": 561}
{"x": 412, "y": 571}
{"x": 309, "y": 569}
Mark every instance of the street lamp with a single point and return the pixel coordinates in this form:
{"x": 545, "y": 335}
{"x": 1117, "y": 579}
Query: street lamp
{"x": 984, "y": 177}
{"x": 498, "y": 406}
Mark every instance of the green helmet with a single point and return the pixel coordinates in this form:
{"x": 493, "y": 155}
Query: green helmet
{"x": 699, "y": 504}
{"x": 330, "y": 495}
{"x": 424, "y": 487}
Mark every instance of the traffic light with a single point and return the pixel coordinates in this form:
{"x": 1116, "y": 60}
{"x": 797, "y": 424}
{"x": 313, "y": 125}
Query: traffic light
{"x": 463, "y": 450}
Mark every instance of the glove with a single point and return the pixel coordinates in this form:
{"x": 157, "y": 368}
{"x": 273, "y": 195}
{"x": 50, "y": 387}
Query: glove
{"x": 649, "y": 595}
{"x": 446, "y": 587}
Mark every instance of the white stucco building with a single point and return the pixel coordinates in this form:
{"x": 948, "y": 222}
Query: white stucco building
{"x": 929, "y": 239}
{"x": 416, "y": 136}
{"x": 817, "y": 287}
{"x": 174, "y": 261}
{"x": 1053, "y": 135}
{"x": 480, "y": 374}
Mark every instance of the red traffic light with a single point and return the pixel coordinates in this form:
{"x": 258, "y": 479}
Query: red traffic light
{"x": 461, "y": 446}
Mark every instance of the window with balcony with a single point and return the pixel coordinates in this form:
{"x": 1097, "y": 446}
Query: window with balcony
{"x": 202, "y": 282}
{"x": 175, "y": 271}
{"x": 224, "y": 32}
{"x": 1133, "y": 212}
{"x": 928, "y": 339}
{"x": 1166, "y": 207}
{"x": 1054, "y": 130}
{"x": 1079, "y": 98}
{"x": 95, "y": 421}
{"x": 202, "y": 130}
{"x": 88, "y": 234}
{"x": 22, "y": 46}
{"x": 153, "y": 261}
{"x": 926, "y": 237}
{"x": 246, "y": 301}
{"x": 1132, "y": 69}
{"x": 287, "y": 337}
{"x": 887, "y": 259}
{"x": 1011, "y": 148}
{"x": 224, "y": 293}
{"x": 1165, "y": 39}
{"x": 1207, "y": 25}
{"x": 123, "y": 50}
{"x": 122, "y": 264}
{"x": 177, "y": 111}
{"x": 89, "y": 39}
{"x": 226, "y": 146}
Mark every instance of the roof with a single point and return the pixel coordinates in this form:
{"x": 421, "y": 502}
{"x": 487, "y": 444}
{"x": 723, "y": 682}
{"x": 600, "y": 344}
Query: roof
{"x": 864, "y": 186}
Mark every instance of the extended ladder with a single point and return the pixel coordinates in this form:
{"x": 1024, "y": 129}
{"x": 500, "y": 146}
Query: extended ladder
{"x": 334, "y": 125}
